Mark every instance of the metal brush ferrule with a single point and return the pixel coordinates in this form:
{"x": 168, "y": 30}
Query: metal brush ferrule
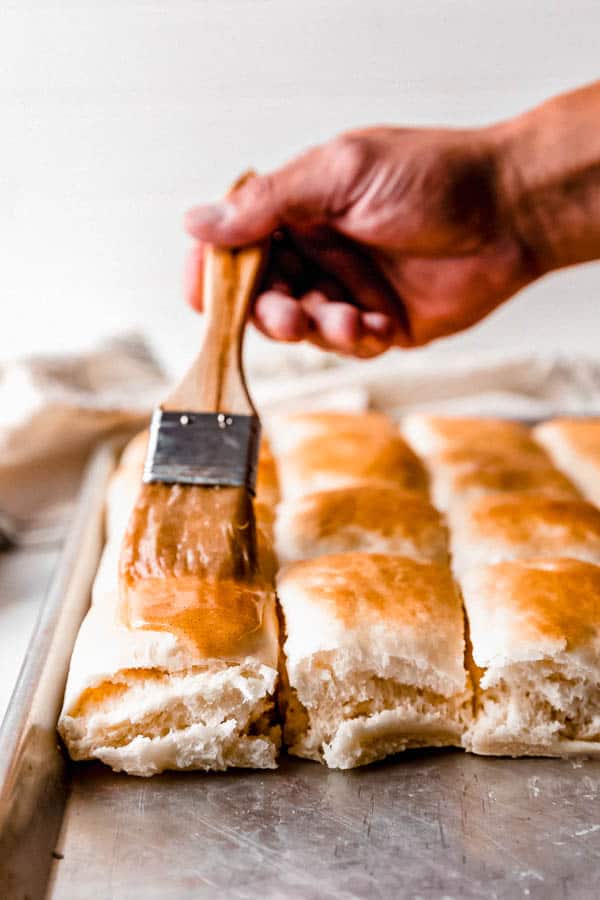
{"x": 203, "y": 448}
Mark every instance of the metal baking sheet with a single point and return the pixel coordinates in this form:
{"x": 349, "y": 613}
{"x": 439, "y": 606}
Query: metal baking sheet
{"x": 34, "y": 772}
{"x": 437, "y": 824}
{"x": 428, "y": 825}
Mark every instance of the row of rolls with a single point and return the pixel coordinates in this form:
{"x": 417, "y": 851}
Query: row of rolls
{"x": 433, "y": 582}
{"x": 450, "y": 567}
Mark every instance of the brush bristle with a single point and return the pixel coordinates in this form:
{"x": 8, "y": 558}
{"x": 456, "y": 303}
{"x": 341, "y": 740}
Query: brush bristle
{"x": 180, "y": 530}
{"x": 190, "y": 563}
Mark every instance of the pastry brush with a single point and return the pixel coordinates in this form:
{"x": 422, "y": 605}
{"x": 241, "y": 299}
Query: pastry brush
{"x": 193, "y": 521}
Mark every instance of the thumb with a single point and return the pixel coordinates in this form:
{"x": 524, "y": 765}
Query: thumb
{"x": 296, "y": 193}
{"x": 249, "y": 214}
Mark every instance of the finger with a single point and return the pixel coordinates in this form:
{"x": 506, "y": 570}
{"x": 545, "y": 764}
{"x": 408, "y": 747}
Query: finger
{"x": 249, "y": 214}
{"x": 300, "y": 192}
{"x": 280, "y": 317}
{"x": 379, "y": 326}
{"x": 358, "y": 274}
{"x": 377, "y": 335}
{"x": 336, "y": 324}
{"x": 311, "y": 302}
{"x": 193, "y": 274}
{"x": 336, "y": 329}
{"x": 369, "y": 347}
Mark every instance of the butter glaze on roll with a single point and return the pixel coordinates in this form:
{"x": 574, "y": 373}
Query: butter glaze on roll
{"x": 182, "y": 677}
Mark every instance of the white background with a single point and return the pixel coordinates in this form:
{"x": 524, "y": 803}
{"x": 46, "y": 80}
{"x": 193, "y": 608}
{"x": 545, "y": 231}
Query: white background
{"x": 116, "y": 116}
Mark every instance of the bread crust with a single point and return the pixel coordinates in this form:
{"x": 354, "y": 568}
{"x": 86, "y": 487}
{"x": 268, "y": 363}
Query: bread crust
{"x": 349, "y": 458}
{"x": 502, "y": 527}
{"x": 431, "y": 435}
{"x": 365, "y": 517}
{"x": 574, "y": 445}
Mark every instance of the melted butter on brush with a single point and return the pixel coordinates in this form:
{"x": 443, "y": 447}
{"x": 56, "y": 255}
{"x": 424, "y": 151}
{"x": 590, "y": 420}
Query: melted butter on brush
{"x": 178, "y": 530}
{"x": 189, "y": 566}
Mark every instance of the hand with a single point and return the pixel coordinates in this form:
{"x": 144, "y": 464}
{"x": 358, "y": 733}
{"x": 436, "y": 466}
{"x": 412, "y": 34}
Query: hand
{"x": 381, "y": 237}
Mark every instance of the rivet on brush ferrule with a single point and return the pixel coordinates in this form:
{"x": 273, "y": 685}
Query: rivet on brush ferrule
{"x": 203, "y": 448}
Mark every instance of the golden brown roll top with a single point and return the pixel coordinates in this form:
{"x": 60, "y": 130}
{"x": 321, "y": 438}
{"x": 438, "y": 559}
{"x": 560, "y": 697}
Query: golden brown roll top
{"x": 324, "y": 451}
{"x": 501, "y": 527}
{"x": 574, "y": 445}
{"x": 288, "y": 431}
{"x": 431, "y": 435}
{"x": 367, "y": 518}
{"x": 366, "y": 672}
{"x": 469, "y": 458}
{"x": 181, "y": 673}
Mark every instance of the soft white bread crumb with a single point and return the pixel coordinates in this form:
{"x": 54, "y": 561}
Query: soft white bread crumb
{"x": 535, "y": 635}
{"x": 374, "y": 655}
{"x": 144, "y": 721}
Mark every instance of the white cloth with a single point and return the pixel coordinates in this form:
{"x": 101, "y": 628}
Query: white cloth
{"x": 54, "y": 409}
{"x": 530, "y": 387}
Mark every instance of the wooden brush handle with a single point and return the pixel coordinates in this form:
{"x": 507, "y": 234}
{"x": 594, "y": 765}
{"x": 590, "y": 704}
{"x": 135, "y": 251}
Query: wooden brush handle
{"x": 215, "y": 382}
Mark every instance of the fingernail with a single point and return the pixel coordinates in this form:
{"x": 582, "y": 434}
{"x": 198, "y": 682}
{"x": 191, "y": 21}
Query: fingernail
{"x": 210, "y": 214}
{"x": 378, "y": 324}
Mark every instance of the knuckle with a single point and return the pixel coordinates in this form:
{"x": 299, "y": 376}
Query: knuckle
{"x": 350, "y": 152}
{"x": 257, "y": 190}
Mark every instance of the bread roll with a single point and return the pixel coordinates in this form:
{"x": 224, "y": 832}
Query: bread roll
{"x": 288, "y": 430}
{"x": 535, "y": 634}
{"x": 468, "y": 458}
{"x": 195, "y": 693}
{"x": 516, "y": 526}
{"x": 373, "y": 650}
{"x": 431, "y": 435}
{"x": 574, "y": 445}
{"x": 267, "y": 480}
{"x": 366, "y": 518}
{"x": 457, "y": 478}
{"x": 348, "y": 450}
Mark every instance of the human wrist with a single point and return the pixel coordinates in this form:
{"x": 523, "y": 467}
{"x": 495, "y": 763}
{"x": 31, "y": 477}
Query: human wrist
{"x": 548, "y": 162}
